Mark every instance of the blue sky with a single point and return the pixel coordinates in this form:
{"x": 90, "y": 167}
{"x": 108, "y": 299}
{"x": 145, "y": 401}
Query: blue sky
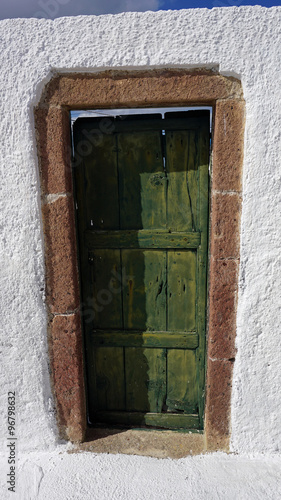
{"x": 58, "y": 8}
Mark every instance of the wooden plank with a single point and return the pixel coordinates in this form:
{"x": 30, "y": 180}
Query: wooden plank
{"x": 181, "y": 292}
{"x": 179, "y": 209}
{"x": 182, "y": 385}
{"x": 144, "y": 296}
{"x": 142, "y": 239}
{"x": 89, "y": 356}
{"x": 145, "y": 372}
{"x": 192, "y": 177}
{"x": 203, "y": 158}
{"x": 84, "y": 268}
{"x": 101, "y": 183}
{"x": 106, "y": 301}
{"x": 161, "y": 420}
{"x": 109, "y": 367}
{"x": 145, "y": 339}
{"x": 142, "y": 181}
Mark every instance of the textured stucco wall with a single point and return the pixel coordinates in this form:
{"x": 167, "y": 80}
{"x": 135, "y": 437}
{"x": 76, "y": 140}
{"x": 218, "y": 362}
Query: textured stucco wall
{"x": 242, "y": 42}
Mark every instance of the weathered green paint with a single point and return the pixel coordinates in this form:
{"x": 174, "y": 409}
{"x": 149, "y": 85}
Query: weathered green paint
{"x": 105, "y": 266}
{"x": 135, "y": 419}
{"x": 144, "y": 295}
{"x": 142, "y": 182}
{"x": 192, "y": 178}
{"x": 179, "y": 214}
{"x": 202, "y": 262}
{"x": 129, "y": 338}
{"x": 109, "y": 366}
{"x": 181, "y": 290}
{"x": 100, "y": 214}
{"x": 142, "y": 239}
{"x": 145, "y": 379}
{"x": 142, "y": 224}
{"x": 182, "y": 387}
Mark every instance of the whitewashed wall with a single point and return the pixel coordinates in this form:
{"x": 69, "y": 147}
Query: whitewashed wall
{"x": 243, "y": 42}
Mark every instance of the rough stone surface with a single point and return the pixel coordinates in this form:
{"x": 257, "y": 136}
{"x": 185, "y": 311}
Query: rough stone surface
{"x": 144, "y": 88}
{"x": 54, "y": 150}
{"x": 222, "y": 308}
{"x": 225, "y": 241}
{"x": 158, "y": 444}
{"x": 67, "y": 375}
{"x": 240, "y": 42}
{"x": 227, "y": 150}
{"x": 218, "y": 389}
{"x": 60, "y": 254}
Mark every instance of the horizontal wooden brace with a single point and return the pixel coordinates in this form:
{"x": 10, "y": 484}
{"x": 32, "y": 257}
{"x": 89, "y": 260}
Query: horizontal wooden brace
{"x": 141, "y": 239}
{"x": 162, "y": 420}
{"x": 172, "y": 340}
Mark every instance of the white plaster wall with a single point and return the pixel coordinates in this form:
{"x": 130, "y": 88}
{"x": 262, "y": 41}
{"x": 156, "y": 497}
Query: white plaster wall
{"x": 243, "y": 42}
{"x": 88, "y": 476}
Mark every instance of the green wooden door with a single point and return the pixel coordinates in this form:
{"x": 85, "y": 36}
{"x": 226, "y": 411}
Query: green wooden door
{"x": 141, "y": 188}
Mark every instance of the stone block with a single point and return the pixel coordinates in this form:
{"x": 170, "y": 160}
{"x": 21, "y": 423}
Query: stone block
{"x": 67, "y": 374}
{"x": 62, "y": 289}
{"x": 228, "y": 145}
{"x": 54, "y": 149}
{"x": 226, "y": 213}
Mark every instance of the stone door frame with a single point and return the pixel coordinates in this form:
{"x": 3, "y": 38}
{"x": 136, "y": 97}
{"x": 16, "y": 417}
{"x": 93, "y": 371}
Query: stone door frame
{"x": 157, "y": 88}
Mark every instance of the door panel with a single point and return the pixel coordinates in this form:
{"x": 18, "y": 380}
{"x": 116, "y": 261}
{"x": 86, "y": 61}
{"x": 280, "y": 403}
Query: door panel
{"x": 142, "y": 181}
{"x": 144, "y": 296}
{"x": 106, "y": 274}
{"x": 182, "y": 384}
{"x": 145, "y": 379}
{"x": 180, "y": 216}
{"x": 109, "y": 368}
{"x": 100, "y": 213}
{"x": 182, "y": 290}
